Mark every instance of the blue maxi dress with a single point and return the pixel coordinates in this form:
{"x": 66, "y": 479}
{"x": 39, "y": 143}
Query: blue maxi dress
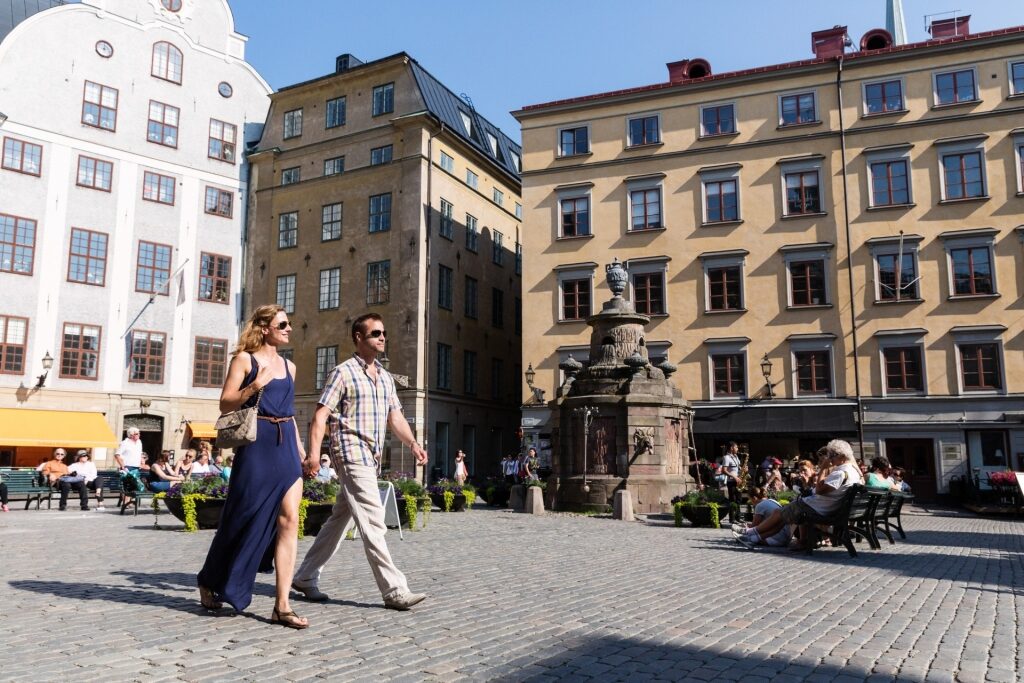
{"x": 261, "y": 474}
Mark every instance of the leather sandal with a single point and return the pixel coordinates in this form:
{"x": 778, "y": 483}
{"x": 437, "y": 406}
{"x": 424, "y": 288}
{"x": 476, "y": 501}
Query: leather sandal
{"x": 289, "y": 619}
{"x": 208, "y": 600}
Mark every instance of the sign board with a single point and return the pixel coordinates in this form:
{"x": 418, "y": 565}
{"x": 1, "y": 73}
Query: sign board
{"x": 1020, "y": 483}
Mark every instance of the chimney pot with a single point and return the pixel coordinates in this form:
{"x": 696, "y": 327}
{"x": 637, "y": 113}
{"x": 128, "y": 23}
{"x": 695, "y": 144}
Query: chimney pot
{"x": 677, "y": 71}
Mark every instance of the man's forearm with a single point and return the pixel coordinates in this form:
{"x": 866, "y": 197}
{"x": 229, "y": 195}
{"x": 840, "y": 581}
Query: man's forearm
{"x": 316, "y": 438}
{"x": 400, "y": 427}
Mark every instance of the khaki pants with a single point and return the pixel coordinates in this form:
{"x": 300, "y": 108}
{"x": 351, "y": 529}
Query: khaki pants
{"x": 358, "y": 505}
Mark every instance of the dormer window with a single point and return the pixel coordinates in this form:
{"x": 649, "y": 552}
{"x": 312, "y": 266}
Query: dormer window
{"x": 467, "y": 122}
{"x": 493, "y": 142}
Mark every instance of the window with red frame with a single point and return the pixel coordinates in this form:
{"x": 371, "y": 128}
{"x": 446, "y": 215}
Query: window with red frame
{"x": 644, "y": 131}
{"x": 154, "y": 268}
{"x": 813, "y": 372}
{"x": 955, "y": 87}
{"x": 576, "y": 299}
{"x": 17, "y": 244}
{"x": 210, "y": 362}
{"x": 87, "y": 260}
{"x": 903, "y": 369}
{"x": 167, "y": 62}
{"x": 13, "y": 342}
{"x": 724, "y": 292}
{"x": 163, "y": 124}
{"x": 222, "y": 141}
{"x": 649, "y": 293}
{"x": 80, "y": 351}
{"x": 962, "y": 175}
{"x": 575, "y": 217}
{"x": 219, "y": 202}
{"x": 972, "y": 271}
{"x": 720, "y": 198}
{"x": 158, "y": 188}
{"x": 730, "y": 374}
{"x": 94, "y": 173}
{"x": 807, "y": 279}
{"x": 99, "y": 106}
{"x": 802, "y": 193}
{"x": 147, "y": 358}
{"x": 718, "y": 120}
{"x": 881, "y": 98}
{"x": 646, "y": 209}
{"x": 979, "y": 367}
{"x": 214, "y": 278}
{"x": 798, "y": 109}
{"x": 23, "y": 157}
{"x": 889, "y": 186}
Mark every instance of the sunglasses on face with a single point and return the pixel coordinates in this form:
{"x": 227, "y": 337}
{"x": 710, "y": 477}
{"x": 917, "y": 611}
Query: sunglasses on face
{"x": 283, "y": 325}
{"x": 377, "y": 333}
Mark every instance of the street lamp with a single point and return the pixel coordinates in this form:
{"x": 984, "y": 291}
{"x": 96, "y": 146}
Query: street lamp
{"x": 47, "y": 364}
{"x": 530, "y": 374}
{"x": 587, "y": 415}
{"x": 766, "y": 370}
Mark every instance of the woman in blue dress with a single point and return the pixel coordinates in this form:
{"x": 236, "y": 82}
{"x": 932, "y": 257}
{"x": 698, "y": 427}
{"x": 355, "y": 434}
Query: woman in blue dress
{"x": 259, "y": 525}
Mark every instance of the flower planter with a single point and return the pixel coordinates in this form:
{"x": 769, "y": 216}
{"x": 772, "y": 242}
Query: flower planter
{"x": 316, "y": 515}
{"x": 207, "y": 511}
{"x": 497, "y": 496}
{"x": 457, "y": 505}
{"x": 700, "y": 515}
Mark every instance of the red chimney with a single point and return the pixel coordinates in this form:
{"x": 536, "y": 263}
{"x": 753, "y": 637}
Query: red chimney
{"x": 688, "y": 69}
{"x": 948, "y": 28}
{"x": 677, "y": 71}
{"x": 829, "y": 43}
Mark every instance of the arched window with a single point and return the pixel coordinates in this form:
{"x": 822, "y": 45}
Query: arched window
{"x": 167, "y": 62}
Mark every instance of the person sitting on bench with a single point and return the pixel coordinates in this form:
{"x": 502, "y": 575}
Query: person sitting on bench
{"x": 81, "y": 477}
{"x": 815, "y": 509}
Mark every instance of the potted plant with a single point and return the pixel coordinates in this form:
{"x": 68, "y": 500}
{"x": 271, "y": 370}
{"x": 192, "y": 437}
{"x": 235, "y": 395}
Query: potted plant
{"x": 450, "y": 496}
{"x": 700, "y": 508}
{"x": 410, "y": 497}
{"x": 315, "y": 507}
{"x": 196, "y": 502}
{"x": 495, "y": 491}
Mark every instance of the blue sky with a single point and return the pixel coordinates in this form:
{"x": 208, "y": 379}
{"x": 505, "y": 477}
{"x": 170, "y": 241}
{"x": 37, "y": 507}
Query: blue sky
{"x": 506, "y": 55}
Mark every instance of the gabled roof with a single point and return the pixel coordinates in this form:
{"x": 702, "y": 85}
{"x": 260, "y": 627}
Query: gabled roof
{"x": 453, "y": 111}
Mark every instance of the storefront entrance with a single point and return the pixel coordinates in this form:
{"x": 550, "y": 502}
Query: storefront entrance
{"x": 917, "y": 458}
{"x": 151, "y": 432}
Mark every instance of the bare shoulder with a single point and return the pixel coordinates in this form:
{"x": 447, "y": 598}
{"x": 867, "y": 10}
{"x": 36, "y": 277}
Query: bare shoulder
{"x": 291, "y": 367}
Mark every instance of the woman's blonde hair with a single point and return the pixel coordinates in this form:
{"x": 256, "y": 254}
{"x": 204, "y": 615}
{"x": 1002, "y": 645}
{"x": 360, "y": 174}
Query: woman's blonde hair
{"x": 251, "y": 338}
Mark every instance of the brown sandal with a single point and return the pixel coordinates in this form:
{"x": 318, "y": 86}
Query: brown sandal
{"x": 208, "y": 600}
{"x": 289, "y": 619}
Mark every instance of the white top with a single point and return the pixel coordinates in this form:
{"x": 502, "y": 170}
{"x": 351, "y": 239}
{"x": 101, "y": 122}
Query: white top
{"x": 130, "y": 452}
{"x": 840, "y": 479}
{"x": 325, "y": 473}
{"x": 200, "y": 468}
{"x": 87, "y": 469}
{"x": 731, "y": 463}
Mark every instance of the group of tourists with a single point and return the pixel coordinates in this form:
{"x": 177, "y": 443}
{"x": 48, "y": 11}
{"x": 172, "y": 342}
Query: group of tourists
{"x": 517, "y": 468}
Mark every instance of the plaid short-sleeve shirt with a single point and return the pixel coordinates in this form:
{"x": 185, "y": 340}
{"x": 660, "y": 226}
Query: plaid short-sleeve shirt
{"x": 359, "y": 411}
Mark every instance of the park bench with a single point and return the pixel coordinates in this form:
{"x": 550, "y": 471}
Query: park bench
{"x": 26, "y": 483}
{"x": 855, "y": 519}
{"x": 133, "y": 496}
{"x": 887, "y": 517}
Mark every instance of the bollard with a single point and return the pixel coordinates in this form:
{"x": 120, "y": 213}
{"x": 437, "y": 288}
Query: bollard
{"x": 517, "y": 497}
{"x": 534, "y": 500}
{"x": 623, "y": 505}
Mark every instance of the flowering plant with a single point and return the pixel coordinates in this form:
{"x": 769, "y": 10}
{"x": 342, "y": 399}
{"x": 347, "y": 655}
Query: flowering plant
{"x": 446, "y": 490}
{"x": 405, "y": 484}
{"x": 316, "y": 491}
{"x": 210, "y": 486}
{"x": 1006, "y": 478}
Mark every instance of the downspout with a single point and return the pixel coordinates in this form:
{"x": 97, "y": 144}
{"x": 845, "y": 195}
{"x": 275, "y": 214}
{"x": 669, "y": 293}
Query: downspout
{"x": 428, "y": 209}
{"x": 849, "y": 257}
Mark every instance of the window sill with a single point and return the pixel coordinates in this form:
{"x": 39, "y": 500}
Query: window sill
{"x": 982, "y": 392}
{"x": 953, "y": 105}
{"x": 982, "y": 198}
{"x": 791, "y": 307}
{"x": 287, "y": 246}
{"x": 573, "y": 156}
{"x": 805, "y": 124}
{"x": 793, "y": 216}
{"x": 892, "y": 207}
{"x": 823, "y": 394}
{"x": 571, "y": 321}
{"x": 715, "y": 224}
{"x": 569, "y": 238}
{"x": 1019, "y": 194}
{"x": 718, "y": 136}
{"x": 972, "y": 297}
{"x": 1016, "y": 96}
{"x": 646, "y": 145}
{"x": 891, "y": 302}
{"x": 640, "y": 231}
{"x": 723, "y": 311}
{"x": 654, "y": 315}
{"x": 883, "y": 114}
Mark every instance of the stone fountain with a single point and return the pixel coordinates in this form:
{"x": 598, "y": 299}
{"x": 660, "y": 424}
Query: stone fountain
{"x": 620, "y": 422}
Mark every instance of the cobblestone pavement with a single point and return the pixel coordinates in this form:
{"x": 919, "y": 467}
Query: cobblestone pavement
{"x": 513, "y": 597}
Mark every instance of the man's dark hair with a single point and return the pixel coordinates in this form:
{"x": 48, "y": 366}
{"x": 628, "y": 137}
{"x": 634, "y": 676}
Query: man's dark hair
{"x": 359, "y": 324}
{"x": 732, "y": 443}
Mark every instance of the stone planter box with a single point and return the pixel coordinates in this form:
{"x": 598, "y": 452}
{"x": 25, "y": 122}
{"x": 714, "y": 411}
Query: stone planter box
{"x": 316, "y": 515}
{"x": 207, "y": 511}
{"x": 458, "y": 505}
{"x": 499, "y": 496}
{"x": 700, "y": 515}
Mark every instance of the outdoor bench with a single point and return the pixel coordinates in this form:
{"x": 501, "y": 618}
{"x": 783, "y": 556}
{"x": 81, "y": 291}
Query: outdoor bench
{"x": 26, "y": 483}
{"x": 855, "y": 518}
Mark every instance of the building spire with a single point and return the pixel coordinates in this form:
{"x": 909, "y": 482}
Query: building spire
{"x": 894, "y": 21}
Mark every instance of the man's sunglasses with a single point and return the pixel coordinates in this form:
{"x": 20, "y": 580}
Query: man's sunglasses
{"x": 283, "y": 325}
{"x": 377, "y": 333}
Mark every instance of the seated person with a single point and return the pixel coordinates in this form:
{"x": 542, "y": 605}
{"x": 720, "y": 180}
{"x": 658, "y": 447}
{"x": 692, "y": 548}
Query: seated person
{"x": 763, "y": 509}
{"x": 899, "y": 480}
{"x": 326, "y": 472}
{"x": 815, "y": 509}
{"x": 804, "y": 478}
{"x": 51, "y": 471}
{"x": 184, "y": 468}
{"x": 162, "y": 475}
{"x": 202, "y": 467}
{"x": 3, "y": 495}
{"x": 878, "y": 477}
{"x": 81, "y": 477}
{"x": 217, "y": 466}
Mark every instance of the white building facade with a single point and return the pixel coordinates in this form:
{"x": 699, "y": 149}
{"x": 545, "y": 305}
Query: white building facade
{"x": 122, "y": 207}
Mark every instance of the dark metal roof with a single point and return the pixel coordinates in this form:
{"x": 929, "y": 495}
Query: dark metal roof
{"x": 450, "y": 108}
{"x": 13, "y": 12}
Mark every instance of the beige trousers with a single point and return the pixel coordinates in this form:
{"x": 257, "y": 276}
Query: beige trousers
{"x": 358, "y": 504}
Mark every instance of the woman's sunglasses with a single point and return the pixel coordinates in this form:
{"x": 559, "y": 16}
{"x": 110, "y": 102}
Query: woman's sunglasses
{"x": 377, "y": 333}
{"x": 283, "y": 325}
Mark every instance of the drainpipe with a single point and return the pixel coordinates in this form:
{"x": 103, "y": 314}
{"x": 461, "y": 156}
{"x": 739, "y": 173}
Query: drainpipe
{"x": 849, "y": 256}
{"x": 428, "y": 209}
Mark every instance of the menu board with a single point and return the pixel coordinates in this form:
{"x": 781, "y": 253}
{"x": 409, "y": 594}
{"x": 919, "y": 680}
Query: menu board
{"x": 1020, "y": 483}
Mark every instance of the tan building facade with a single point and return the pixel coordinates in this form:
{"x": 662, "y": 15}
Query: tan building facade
{"x": 378, "y": 190}
{"x": 849, "y": 225}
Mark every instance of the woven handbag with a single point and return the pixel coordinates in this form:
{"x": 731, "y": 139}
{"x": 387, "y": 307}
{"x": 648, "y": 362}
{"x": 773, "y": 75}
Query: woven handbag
{"x": 239, "y": 427}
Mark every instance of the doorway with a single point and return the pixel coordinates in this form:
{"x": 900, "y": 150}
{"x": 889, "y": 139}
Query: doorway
{"x": 916, "y": 457}
{"x": 151, "y": 432}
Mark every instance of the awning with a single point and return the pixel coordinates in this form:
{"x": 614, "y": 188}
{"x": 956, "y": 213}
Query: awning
{"x": 835, "y": 420}
{"x": 202, "y": 430}
{"x": 53, "y": 428}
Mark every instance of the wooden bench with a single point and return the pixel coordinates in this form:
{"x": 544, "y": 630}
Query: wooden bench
{"x": 887, "y": 516}
{"x": 26, "y": 483}
{"x": 854, "y": 520}
{"x": 134, "y": 497}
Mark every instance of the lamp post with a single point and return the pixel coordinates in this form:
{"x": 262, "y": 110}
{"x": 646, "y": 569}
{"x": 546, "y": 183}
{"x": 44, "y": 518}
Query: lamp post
{"x": 766, "y": 370}
{"x": 586, "y": 415}
{"x": 47, "y": 364}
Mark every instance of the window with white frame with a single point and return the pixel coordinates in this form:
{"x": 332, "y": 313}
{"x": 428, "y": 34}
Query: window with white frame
{"x": 807, "y": 274}
{"x": 292, "y": 123}
{"x": 720, "y": 188}
{"x": 647, "y": 278}
{"x": 290, "y": 176}
{"x": 378, "y": 282}
{"x": 979, "y": 352}
{"x": 798, "y": 108}
{"x": 575, "y": 291}
{"x": 492, "y": 142}
{"x": 384, "y": 99}
{"x": 447, "y": 227}
{"x": 288, "y": 230}
{"x": 330, "y": 222}
{"x": 445, "y": 287}
{"x": 896, "y": 268}
{"x": 286, "y": 292}
{"x": 467, "y": 122}
{"x": 717, "y": 119}
{"x": 381, "y": 155}
{"x": 330, "y": 288}
{"x": 645, "y": 203}
{"x": 334, "y": 166}
{"x": 574, "y": 211}
{"x": 335, "y": 115}
{"x": 884, "y": 97}
{"x": 727, "y": 367}
{"x": 801, "y": 186}
{"x": 472, "y": 179}
{"x": 573, "y": 141}
{"x": 723, "y": 280}
{"x": 498, "y": 197}
{"x": 326, "y": 359}
{"x": 970, "y": 262}
{"x": 812, "y": 364}
{"x": 472, "y": 233}
{"x": 901, "y": 359}
{"x": 955, "y": 87}
{"x": 447, "y": 162}
{"x": 519, "y": 211}
{"x": 470, "y": 306}
{"x": 1016, "y": 70}
{"x": 517, "y": 162}
{"x": 644, "y": 130}
{"x": 497, "y": 248}
{"x": 1018, "y": 147}
{"x": 380, "y": 212}
{"x": 444, "y": 366}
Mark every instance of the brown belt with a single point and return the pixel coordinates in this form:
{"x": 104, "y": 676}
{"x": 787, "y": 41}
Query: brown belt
{"x": 277, "y": 421}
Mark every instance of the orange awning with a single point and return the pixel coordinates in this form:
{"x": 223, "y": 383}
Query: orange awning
{"x": 202, "y": 430}
{"x": 53, "y": 428}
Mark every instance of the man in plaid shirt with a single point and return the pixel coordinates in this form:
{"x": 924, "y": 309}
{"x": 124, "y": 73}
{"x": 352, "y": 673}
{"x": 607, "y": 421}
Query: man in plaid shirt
{"x": 358, "y": 404}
